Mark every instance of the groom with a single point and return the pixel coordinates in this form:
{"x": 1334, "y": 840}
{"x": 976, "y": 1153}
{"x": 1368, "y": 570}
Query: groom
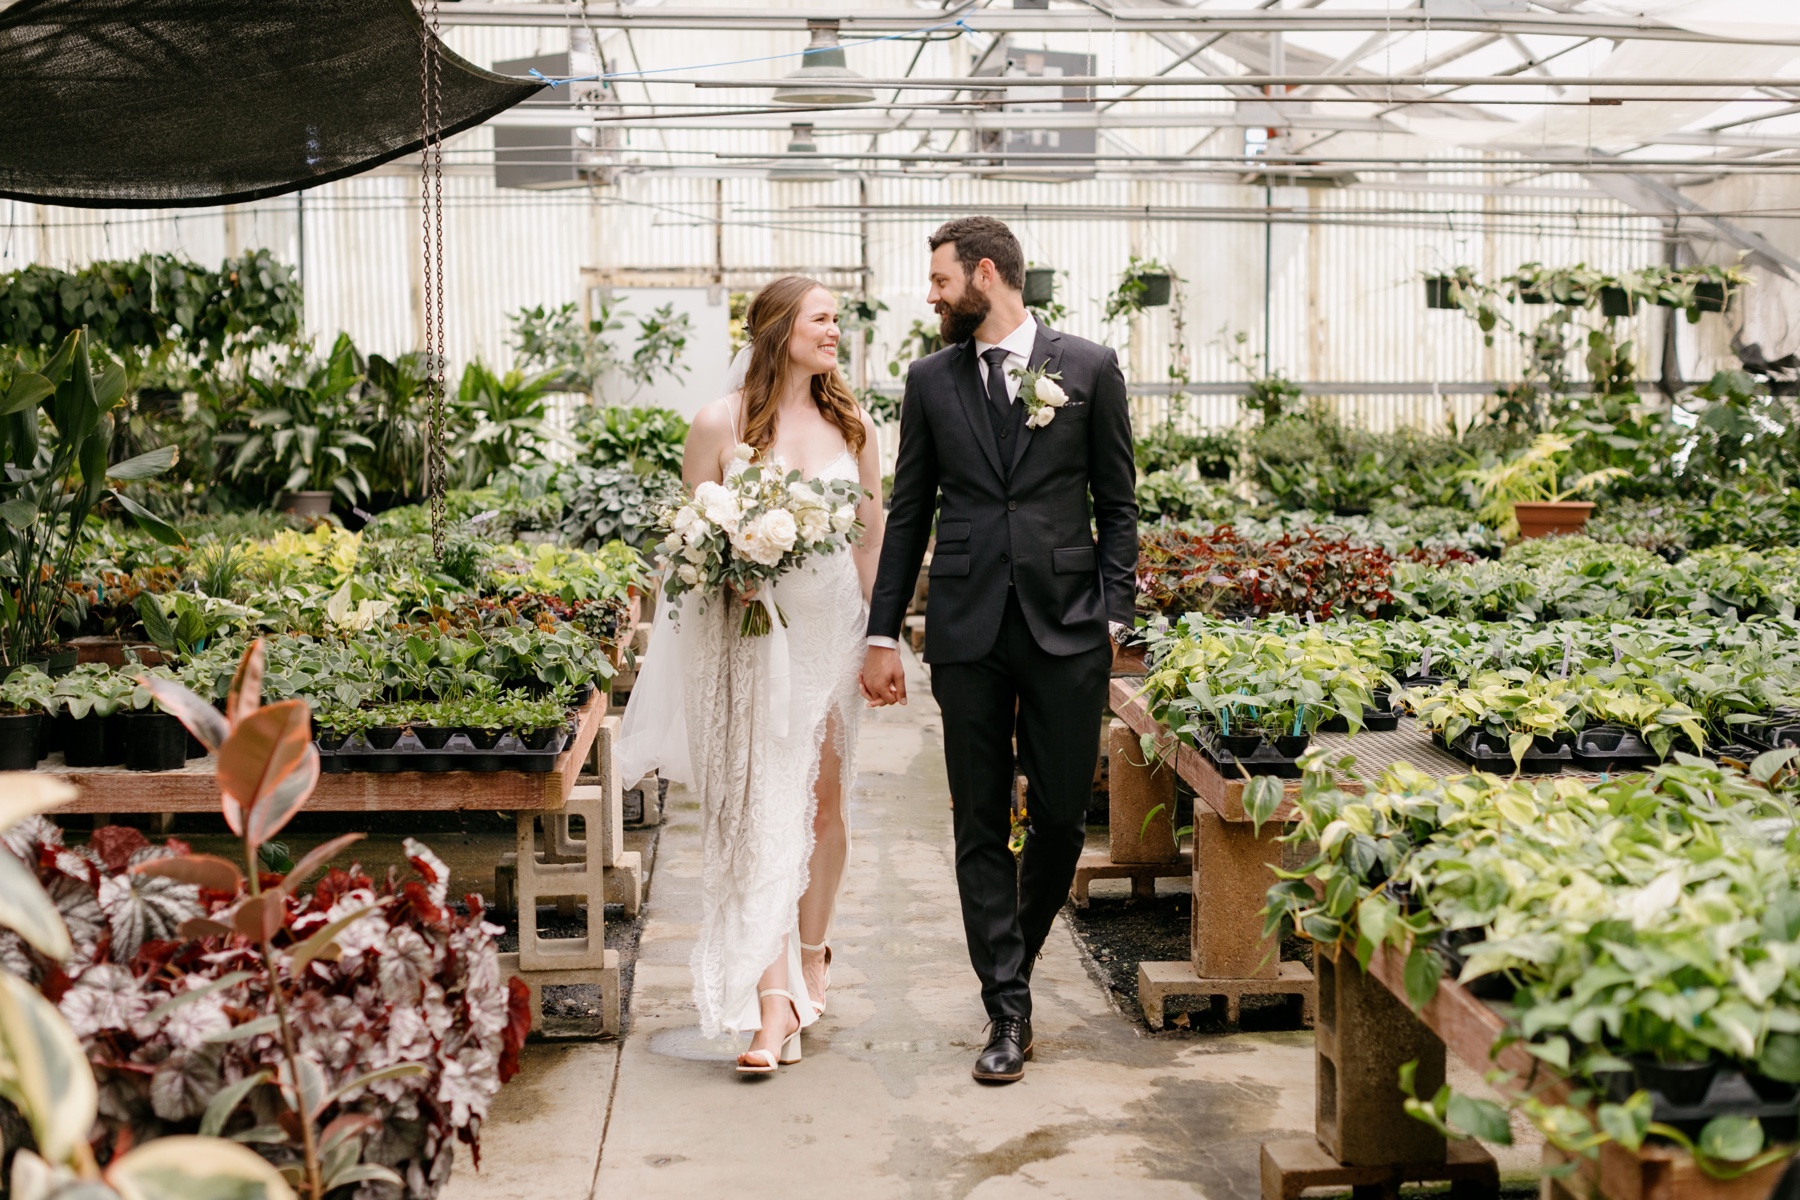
{"x": 1031, "y": 591}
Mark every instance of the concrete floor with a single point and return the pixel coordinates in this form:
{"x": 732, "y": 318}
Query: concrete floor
{"x": 883, "y": 1105}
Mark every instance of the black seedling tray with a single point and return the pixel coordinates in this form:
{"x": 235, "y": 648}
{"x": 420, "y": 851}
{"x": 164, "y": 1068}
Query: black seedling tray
{"x": 458, "y": 754}
{"x": 1374, "y": 720}
{"x": 1776, "y": 734}
{"x": 1266, "y": 761}
{"x": 1730, "y": 1094}
{"x": 1613, "y": 748}
{"x": 1490, "y": 752}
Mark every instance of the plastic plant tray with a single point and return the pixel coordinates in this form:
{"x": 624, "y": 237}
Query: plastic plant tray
{"x": 1479, "y": 750}
{"x": 458, "y": 754}
{"x": 1266, "y": 761}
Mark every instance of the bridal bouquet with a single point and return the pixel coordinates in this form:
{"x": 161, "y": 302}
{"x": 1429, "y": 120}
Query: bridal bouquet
{"x": 750, "y": 530}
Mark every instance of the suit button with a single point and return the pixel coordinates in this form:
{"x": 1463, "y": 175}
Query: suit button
{"x": 1005, "y": 558}
{"x": 1012, "y": 506}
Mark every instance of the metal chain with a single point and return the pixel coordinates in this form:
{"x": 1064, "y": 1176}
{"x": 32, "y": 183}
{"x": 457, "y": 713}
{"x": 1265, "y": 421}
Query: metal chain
{"x": 431, "y": 205}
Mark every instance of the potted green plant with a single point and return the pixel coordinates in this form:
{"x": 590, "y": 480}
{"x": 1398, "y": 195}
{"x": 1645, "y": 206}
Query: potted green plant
{"x": 302, "y": 432}
{"x": 1522, "y": 496}
{"x": 88, "y": 700}
{"x": 52, "y": 484}
{"x": 24, "y": 699}
{"x": 1145, "y": 283}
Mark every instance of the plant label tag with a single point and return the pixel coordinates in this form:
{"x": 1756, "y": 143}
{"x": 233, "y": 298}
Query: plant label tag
{"x": 1425, "y": 662}
{"x": 1568, "y": 650}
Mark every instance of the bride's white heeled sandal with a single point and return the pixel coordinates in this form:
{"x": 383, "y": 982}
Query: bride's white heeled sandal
{"x": 824, "y": 985}
{"x": 764, "y": 1062}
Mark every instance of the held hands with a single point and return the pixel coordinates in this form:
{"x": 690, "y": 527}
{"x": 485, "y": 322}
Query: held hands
{"x": 883, "y": 677}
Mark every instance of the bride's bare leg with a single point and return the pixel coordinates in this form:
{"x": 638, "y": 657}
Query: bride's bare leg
{"x": 831, "y": 845}
{"x": 778, "y": 1016}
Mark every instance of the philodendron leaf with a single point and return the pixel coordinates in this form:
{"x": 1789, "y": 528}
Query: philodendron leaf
{"x": 19, "y": 513}
{"x": 1628, "y": 1123}
{"x": 196, "y": 1168}
{"x": 156, "y": 621}
{"x": 1766, "y": 765}
{"x": 48, "y": 1078}
{"x": 1731, "y": 1139}
{"x": 1423, "y": 970}
{"x": 1263, "y": 794}
{"x": 1479, "y": 1118}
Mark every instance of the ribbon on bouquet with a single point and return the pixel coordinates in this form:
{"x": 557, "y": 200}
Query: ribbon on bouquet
{"x": 780, "y": 669}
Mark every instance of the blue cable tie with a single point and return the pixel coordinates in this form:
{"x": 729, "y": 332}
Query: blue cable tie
{"x": 556, "y": 81}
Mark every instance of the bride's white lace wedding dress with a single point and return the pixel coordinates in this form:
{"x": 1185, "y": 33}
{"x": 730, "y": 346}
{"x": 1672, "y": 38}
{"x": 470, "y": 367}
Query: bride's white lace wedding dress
{"x": 702, "y": 711}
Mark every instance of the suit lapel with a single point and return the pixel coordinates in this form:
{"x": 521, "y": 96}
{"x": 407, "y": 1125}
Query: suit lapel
{"x": 1046, "y": 356}
{"x": 968, "y": 390}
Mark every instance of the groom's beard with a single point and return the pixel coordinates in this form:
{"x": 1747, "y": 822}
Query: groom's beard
{"x": 958, "y": 322}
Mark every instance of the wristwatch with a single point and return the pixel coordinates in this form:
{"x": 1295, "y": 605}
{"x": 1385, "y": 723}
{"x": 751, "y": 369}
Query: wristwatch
{"x": 1120, "y": 632}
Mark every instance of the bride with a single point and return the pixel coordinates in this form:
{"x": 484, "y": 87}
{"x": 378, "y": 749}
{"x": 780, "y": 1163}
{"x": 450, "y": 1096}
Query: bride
{"x": 771, "y": 783}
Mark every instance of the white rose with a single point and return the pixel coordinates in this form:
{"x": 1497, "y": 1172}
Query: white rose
{"x": 1041, "y": 417}
{"x": 689, "y": 575}
{"x": 759, "y": 540}
{"x": 779, "y": 528}
{"x": 1050, "y": 392}
{"x": 720, "y": 504}
{"x": 815, "y": 524}
{"x": 684, "y": 517}
{"x": 843, "y": 518}
{"x": 801, "y": 496}
{"x": 695, "y": 553}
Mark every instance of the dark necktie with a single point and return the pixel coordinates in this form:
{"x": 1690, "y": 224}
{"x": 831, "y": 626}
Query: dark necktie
{"x": 999, "y": 403}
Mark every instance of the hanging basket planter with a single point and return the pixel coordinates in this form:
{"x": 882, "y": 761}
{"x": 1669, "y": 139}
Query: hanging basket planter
{"x": 1040, "y": 286}
{"x": 306, "y": 504}
{"x": 1533, "y": 296}
{"x": 1437, "y": 292}
{"x": 1157, "y": 288}
{"x": 1710, "y": 296}
{"x": 1617, "y": 302}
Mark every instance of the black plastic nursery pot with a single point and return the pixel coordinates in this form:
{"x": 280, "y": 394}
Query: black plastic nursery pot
{"x": 1040, "y": 286}
{"x": 538, "y": 739}
{"x": 1437, "y": 292}
{"x": 434, "y": 737}
{"x": 154, "y": 741}
{"x": 1682, "y": 1084}
{"x": 92, "y": 741}
{"x": 1158, "y": 287}
{"x": 1617, "y": 302}
{"x": 329, "y": 739}
{"x": 485, "y": 739}
{"x": 20, "y": 737}
{"x": 1710, "y": 297}
{"x": 1292, "y": 745}
{"x": 1240, "y": 745}
{"x": 383, "y": 737}
{"x": 1533, "y": 296}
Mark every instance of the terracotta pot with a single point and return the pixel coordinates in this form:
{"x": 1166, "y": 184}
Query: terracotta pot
{"x": 1552, "y": 517}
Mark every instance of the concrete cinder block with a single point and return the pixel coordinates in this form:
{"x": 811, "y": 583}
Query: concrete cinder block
{"x": 1135, "y": 788}
{"x": 1232, "y": 873}
{"x": 1364, "y": 1034}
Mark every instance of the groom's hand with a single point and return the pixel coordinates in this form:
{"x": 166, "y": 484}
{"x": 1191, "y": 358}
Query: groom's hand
{"x": 883, "y": 677}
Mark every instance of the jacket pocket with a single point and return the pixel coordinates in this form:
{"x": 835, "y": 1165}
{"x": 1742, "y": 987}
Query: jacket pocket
{"x": 1073, "y": 560}
{"x": 953, "y": 531}
{"x": 949, "y": 564}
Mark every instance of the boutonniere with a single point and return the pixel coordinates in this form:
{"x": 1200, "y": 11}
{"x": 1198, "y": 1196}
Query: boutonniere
{"x": 1041, "y": 395}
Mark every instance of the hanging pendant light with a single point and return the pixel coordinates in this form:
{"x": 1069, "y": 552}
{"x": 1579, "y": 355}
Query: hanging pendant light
{"x": 824, "y": 78}
{"x": 802, "y": 163}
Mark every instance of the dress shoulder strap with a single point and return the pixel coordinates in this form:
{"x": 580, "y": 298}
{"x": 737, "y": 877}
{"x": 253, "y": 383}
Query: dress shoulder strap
{"x": 731, "y": 414}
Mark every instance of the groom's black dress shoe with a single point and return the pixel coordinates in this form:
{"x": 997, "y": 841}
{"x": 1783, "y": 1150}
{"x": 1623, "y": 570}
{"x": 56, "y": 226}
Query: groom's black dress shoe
{"x": 1009, "y": 1046}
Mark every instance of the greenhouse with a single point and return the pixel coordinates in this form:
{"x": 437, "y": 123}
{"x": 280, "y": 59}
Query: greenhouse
{"x": 1074, "y": 598}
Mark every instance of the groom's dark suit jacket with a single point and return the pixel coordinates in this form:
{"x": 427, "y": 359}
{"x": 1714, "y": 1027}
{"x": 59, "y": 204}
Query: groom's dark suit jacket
{"x": 1054, "y": 514}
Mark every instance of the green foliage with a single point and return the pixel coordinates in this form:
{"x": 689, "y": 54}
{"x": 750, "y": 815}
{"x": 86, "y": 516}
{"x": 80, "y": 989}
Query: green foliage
{"x": 499, "y": 423}
{"x": 302, "y": 429}
{"x": 154, "y": 301}
{"x": 1127, "y": 297}
{"x": 610, "y": 503}
{"x": 581, "y": 355}
{"x": 640, "y": 439}
{"x": 1165, "y": 448}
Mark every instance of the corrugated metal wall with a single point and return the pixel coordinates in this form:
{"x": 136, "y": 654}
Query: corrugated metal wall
{"x": 1344, "y": 301}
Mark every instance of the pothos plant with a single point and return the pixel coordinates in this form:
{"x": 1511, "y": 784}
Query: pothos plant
{"x": 44, "y": 1071}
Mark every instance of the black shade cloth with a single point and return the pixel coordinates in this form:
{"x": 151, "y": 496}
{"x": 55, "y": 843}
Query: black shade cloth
{"x": 166, "y": 103}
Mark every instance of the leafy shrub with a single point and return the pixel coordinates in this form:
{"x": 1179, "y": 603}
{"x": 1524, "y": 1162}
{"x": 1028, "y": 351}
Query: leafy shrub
{"x": 1181, "y": 496}
{"x": 640, "y": 439}
{"x": 608, "y": 503}
{"x": 1167, "y": 449}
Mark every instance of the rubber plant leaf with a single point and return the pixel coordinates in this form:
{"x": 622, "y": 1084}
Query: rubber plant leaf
{"x": 261, "y": 751}
{"x": 209, "y": 871}
{"x": 280, "y": 806}
{"x": 183, "y": 1168}
{"x": 315, "y": 858}
{"x": 245, "y": 696}
{"x": 47, "y": 1078}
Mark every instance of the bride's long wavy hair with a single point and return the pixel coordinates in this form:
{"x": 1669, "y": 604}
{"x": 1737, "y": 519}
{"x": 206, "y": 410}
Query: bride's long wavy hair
{"x": 771, "y": 324}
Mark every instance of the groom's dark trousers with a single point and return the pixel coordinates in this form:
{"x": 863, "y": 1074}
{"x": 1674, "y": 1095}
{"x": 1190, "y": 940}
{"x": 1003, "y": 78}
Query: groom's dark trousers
{"x": 1036, "y": 552}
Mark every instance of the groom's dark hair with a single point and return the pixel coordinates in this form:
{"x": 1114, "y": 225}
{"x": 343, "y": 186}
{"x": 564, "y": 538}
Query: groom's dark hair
{"x": 977, "y": 238}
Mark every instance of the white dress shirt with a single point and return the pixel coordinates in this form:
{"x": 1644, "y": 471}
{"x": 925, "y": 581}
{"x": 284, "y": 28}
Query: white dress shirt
{"x": 1018, "y": 346}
